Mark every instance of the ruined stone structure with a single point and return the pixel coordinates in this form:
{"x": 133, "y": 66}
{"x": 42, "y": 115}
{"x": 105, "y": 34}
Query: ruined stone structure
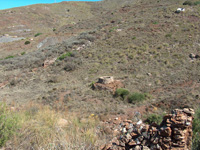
{"x": 108, "y": 83}
{"x": 174, "y": 133}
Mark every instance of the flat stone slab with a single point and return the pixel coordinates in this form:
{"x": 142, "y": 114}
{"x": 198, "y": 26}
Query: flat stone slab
{"x": 6, "y": 39}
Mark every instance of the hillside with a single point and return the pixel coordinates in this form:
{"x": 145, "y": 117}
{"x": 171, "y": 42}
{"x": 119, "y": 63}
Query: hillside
{"x": 145, "y": 44}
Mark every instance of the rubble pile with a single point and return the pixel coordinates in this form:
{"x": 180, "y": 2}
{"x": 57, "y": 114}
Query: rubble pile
{"x": 175, "y": 132}
{"x": 108, "y": 83}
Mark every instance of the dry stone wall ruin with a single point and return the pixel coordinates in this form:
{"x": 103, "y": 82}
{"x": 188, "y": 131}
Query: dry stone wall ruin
{"x": 174, "y": 133}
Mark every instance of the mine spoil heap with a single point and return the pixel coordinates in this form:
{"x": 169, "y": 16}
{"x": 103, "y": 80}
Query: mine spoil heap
{"x": 174, "y": 133}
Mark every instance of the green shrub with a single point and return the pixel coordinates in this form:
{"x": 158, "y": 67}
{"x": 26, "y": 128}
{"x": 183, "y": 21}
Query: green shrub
{"x": 9, "y": 123}
{"x": 37, "y": 34}
{"x": 122, "y": 92}
{"x": 154, "y": 118}
{"x": 112, "y": 29}
{"x": 23, "y": 53}
{"x": 91, "y": 85}
{"x": 9, "y": 57}
{"x": 197, "y": 3}
{"x": 136, "y": 97}
{"x": 188, "y": 3}
{"x": 63, "y": 56}
{"x": 27, "y": 42}
{"x": 191, "y": 3}
{"x": 196, "y": 131}
{"x": 70, "y": 66}
{"x": 134, "y": 37}
{"x": 168, "y": 35}
{"x": 155, "y": 22}
{"x": 54, "y": 29}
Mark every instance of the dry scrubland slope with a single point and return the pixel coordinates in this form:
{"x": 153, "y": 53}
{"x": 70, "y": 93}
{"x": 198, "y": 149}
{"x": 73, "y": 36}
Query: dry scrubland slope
{"x": 144, "y": 43}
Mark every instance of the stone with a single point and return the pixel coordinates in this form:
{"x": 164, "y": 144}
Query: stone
{"x": 192, "y": 56}
{"x": 189, "y": 111}
{"x": 155, "y": 141}
{"x": 132, "y": 143}
{"x": 145, "y": 148}
{"x": 128, "y": 136}
{"x": 124, "y": 130}
{"x": 197, "y": 56}
{"x": 115, "y": 140}
{"x": 106, "y": 79}
{"x": 116, "y": 132}
{"x": 62, "y": 122}
{"x": 175, "y": 133}
{"x": 108, "y": 84}
{"x": 134, "y": 134}
{"x": 165, "y": 131}
{"x": 137, "y": 147}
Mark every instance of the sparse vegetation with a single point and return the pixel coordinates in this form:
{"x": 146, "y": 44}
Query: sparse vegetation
{"x": 142, "y": 43}
{"x": 70, "y": 66}
{"x": 169, "y": 35}
{"x": 46, "y": 128}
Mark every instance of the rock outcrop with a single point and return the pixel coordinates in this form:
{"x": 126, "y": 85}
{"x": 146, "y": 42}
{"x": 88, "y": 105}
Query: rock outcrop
{"x": 108, "y": 83}
{"x": 175, "y": 132}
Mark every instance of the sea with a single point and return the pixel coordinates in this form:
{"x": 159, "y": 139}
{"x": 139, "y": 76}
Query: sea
{"x": 6, "y": 4}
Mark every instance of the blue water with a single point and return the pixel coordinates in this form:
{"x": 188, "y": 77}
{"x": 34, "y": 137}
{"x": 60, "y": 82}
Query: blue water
{"x": 5, "y": 4}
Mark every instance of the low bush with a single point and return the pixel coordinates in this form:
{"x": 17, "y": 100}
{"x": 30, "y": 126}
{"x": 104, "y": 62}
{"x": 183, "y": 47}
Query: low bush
{"x": 196, "y": 131}
{"x": 136, "y": 97}
{"x": 23, "y": 53}
{"x": 63, "y": 56}
{"x": 168, "y": 35}
{"x": 191, "y": 3}
{"x": 9, "y": 57}
{"x": 37, "y": 34}
{"x": 27, "y": 42}
{"x": 154, "y": 118}
{"x": 188, "y": 3}
{"x": 9, "y": 123}
{"x": 70, "y": 66}
{"x": 197, "y": 3}
{"x": 122, "y": 92}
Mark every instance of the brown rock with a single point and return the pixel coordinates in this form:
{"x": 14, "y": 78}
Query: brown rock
{"x": 189, "y": 111}
{"x": 115, "y": 141}
{"x": 138, "y": 147}
{"x": 165, "y": 131}
{"x": 175, "y": 133}
{"x": 106, "y": 79}
{"x": 166, "y": 140}
{"x": 134, "y": 135}
{"x": 62, "y": 122}
{"x": 145, "y": 148}
{"x": 132, "y": 143}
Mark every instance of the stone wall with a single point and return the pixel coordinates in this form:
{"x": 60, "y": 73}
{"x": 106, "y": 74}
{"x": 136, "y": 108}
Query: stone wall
{"x": 175, "y": 132}
{"x": 108, "y": 83}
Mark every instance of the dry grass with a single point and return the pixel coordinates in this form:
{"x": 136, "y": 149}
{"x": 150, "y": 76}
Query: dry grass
{"x": 44, "y": 128}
